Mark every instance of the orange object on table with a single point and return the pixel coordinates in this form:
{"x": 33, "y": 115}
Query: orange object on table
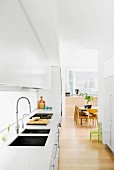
{"x": 41, "y": 103}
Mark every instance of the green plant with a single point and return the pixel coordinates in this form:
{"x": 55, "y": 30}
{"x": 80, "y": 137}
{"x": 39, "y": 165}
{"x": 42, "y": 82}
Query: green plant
{"x": 4, "y": 138}
{"x": 87, "y": 97}
{"x": 9, "y": 127}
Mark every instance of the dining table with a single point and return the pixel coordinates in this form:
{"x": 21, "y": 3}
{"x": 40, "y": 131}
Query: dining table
{"x": 91, "y": 113}
{"x": 93, "y": 110}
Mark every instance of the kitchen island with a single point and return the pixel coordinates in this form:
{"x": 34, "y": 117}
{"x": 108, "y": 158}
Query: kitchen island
{"x": 32, "y": 157}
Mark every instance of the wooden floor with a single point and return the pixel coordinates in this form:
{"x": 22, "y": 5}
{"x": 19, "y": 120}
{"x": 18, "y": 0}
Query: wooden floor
{"x": 78, "y": 153}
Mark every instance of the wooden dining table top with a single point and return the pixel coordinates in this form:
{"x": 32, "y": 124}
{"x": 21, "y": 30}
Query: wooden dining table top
{"x": 93, "y": 110}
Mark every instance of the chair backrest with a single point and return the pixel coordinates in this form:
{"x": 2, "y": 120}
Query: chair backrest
{"x": 92, "y": 110}
{"x": 77, "y": 111}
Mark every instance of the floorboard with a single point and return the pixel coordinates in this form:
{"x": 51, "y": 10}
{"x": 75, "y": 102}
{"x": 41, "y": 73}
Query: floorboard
{"x": 78, "y": 153}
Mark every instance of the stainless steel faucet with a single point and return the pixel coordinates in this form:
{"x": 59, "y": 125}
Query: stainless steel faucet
{"x": 17, "y": 121}
{"x": 23, "y": 119}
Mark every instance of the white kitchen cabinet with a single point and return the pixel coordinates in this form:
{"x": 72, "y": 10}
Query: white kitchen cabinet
{"x": 46, "y": 79}
{"x": 108, "y": 134}
{"x": 22, "y": 59}
{"x": 108, "y": 98}
{"x": 109, "y": 112}
{"x": 40, "y": 70}
{"x": 54, "y": 159}
{"x": 53, "y": 95}
{"x": 109, "y": 67}
{"x": 34, "y": 70}
{"x": 9, "y": 70}
{"x": 25, "y": 72}
{"x": 37, "y": 72}
{"x": 55, "y": 152}
{"x": 41, "y": 77}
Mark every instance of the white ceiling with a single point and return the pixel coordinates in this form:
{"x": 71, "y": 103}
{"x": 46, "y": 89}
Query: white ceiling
{"x": 71, "y": 30}
{"x": 87, "y": 23}
{"x": 40, "y": 16}
{"x": 63, "y": 29}
{"x": 85, "y": 27}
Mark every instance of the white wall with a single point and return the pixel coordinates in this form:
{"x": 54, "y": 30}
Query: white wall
{"x": 78, "y": 58}
{"x": 8, "y": 101}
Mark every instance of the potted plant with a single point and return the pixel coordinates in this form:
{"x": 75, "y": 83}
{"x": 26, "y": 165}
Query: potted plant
{"x": 88, "y": 98}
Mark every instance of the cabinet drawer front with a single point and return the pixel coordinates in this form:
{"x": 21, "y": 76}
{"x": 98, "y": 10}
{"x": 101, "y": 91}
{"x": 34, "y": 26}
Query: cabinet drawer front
{"x": 109, "y": 67}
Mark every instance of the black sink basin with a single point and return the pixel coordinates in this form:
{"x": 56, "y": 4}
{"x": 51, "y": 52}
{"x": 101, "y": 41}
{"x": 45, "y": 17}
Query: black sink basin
{"x": 35, "y": 131}
{"x": 29, "y": 141}
{"x": 42, "y": 115}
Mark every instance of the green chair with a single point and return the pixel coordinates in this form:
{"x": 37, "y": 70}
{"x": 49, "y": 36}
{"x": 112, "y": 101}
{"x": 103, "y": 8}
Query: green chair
{"x": 96, "y": 132}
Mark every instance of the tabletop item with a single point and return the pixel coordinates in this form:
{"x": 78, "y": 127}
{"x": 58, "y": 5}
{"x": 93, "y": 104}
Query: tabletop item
{"x": 42, "y": 115}
{"x": 48, "y": 107}
{"x": 88, "y": 106}
{"x": 87, "y": 97}
{"x": 77, "y": 91}
{"x": 38, "y": 122}
{"x": 41, "y": 103}
{"x": 35, "y": 118}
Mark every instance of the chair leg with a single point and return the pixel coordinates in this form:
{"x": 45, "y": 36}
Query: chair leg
{"x": 81, "y": 121}
{"x": 74, "y": 116}
{"x": 99, "y": 137}
{"x": 77, "y": 122}
{"x": 93, "y": 121}
{"x": 87, "y": 122}
{"x": 97, "y": 122}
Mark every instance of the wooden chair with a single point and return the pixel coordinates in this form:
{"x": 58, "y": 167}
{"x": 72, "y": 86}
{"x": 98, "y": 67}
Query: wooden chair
{"x": 93, "y": 116}
{"x": 75, "y": 114}
{"x": 97, "y": 133}
{"x": 79, "y": 116}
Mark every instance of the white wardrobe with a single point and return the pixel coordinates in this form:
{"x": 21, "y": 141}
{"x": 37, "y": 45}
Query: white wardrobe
{"x": 108, "y": 125}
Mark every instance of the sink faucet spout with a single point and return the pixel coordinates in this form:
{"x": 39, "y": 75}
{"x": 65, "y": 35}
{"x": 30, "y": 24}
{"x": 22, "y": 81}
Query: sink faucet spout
{"x": 17, "y": 120}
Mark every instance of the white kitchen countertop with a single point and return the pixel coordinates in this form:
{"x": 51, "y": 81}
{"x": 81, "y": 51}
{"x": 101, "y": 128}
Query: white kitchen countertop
{"x": 29, "y": 157}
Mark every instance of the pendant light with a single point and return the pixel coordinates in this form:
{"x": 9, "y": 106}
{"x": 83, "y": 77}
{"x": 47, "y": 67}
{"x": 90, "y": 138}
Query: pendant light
{"x": 92, "y": 84}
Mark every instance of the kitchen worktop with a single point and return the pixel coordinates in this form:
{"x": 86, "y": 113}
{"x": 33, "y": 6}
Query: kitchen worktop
{"x": 29, "y": 157}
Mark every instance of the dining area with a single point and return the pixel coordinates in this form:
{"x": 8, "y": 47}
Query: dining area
{"x": 86, "y": 116}
{"x": 84, "y": 111}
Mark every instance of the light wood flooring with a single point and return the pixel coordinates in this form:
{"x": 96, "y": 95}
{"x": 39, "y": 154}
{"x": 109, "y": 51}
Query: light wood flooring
{"x": 78, "y": 153}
